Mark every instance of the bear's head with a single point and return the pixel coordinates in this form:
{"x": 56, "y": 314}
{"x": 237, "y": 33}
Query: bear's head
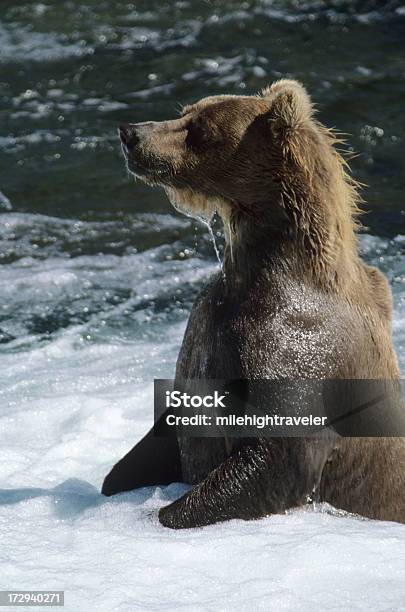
{"x": 263, "y": 162}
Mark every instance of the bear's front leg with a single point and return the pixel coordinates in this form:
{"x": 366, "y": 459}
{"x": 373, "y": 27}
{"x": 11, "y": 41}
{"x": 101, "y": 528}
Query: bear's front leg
{"x": 262, "y": 478}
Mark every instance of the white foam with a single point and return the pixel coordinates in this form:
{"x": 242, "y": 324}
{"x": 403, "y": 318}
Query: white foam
{"x": 23, "y": 44}
{"x": 111, "y": 554}
{"x": 74, "y": 403}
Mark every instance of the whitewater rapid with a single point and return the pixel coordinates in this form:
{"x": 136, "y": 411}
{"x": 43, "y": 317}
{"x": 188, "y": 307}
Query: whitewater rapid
{"x": 74, "y": 401}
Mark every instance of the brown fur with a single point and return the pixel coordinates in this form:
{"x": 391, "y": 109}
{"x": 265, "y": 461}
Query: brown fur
{"x": 297, "y": 301}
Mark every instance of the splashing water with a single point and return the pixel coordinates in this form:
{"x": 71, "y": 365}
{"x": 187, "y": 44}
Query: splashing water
{"x": 204, "y": 219}
{"x": 208, "y": 223}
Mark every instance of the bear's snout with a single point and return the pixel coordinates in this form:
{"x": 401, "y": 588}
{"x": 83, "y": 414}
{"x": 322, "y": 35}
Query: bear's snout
{"x": 141, "y": 146}
{"x": 132, "y": 134}
{"x": 128, "y": 135}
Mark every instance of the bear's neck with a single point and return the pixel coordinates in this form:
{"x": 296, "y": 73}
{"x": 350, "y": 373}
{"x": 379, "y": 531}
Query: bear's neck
{"x": 321, "y": 252}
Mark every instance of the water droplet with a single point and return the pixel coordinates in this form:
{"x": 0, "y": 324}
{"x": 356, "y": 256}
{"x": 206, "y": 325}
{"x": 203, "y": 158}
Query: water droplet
{"x": 214, "y": 242}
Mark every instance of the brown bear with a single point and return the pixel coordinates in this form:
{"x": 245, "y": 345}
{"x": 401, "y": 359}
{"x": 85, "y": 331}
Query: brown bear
{"x": 295, "y": 302}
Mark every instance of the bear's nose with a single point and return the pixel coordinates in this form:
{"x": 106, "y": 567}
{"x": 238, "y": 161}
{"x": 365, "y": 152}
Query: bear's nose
{"x": 128, "y": 135}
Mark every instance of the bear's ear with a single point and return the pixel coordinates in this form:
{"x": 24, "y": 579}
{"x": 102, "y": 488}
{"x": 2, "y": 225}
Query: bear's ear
{"x": 290, "y": 107}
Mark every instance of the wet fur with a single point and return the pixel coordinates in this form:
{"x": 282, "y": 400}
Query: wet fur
{"x": 297, "y": 302}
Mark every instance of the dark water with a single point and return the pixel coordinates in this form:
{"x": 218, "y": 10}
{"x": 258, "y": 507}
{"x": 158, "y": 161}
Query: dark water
{"x": 78, "y": 239}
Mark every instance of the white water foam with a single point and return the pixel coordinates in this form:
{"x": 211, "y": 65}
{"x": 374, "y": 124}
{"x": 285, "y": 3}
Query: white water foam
{"x": 73, "y": 403}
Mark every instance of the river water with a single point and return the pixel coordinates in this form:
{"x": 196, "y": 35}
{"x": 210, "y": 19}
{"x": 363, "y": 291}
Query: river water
{"x": 98, "y": 274}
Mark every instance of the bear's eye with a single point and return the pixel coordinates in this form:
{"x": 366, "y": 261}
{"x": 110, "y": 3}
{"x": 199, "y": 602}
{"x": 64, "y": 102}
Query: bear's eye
{"x": 197, "y": 135}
